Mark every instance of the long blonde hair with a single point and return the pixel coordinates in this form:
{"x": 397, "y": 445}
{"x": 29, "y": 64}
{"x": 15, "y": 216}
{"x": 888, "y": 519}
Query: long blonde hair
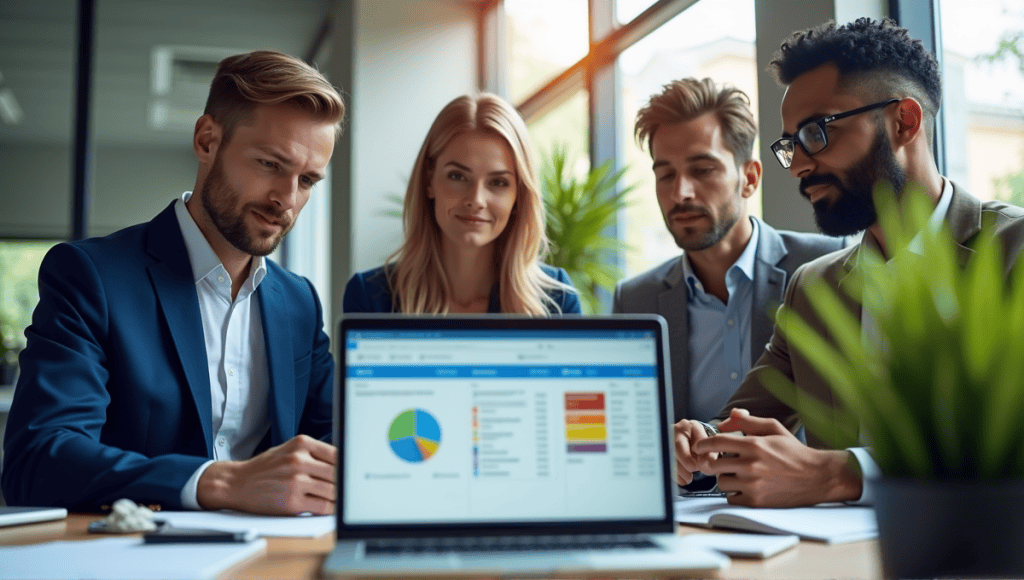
{"x": 418, "y": 281}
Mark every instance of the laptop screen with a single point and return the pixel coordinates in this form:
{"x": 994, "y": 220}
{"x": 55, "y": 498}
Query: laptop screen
{"x": 482, "y": 421}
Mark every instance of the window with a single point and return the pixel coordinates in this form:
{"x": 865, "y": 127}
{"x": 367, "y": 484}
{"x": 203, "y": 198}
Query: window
{"x": 564, "y": 127}
{"x": 626, "y": 10}
{"x": 983, "y": 92}
{"x": 544, "y": 38}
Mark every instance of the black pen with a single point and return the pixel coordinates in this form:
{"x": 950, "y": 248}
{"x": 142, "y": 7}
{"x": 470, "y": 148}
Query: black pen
{"x": 172, "y": 535}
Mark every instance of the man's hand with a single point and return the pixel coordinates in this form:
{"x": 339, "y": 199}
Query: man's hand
{"x": 769, "y": 467}
{"x": 294, "y": 477}
{"x": 687, "y": 462}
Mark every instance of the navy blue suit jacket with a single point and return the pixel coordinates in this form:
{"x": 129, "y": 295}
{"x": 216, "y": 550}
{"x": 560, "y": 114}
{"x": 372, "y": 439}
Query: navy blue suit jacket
{"x": 370, "y": 291}
{"x": 114, "y": 395}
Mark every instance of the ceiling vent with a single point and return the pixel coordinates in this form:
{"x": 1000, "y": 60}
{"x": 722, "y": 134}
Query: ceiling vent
{"x": 180, "y": 81}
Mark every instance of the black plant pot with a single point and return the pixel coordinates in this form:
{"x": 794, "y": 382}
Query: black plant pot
{"x": 932, "y": 529}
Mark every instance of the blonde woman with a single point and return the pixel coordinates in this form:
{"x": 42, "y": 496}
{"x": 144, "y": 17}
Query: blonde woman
{"x": 474, "y": 225}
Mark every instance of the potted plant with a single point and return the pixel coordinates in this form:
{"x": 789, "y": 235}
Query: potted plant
{"x": 580, "y": 213}
{"x": 938, "y": 394}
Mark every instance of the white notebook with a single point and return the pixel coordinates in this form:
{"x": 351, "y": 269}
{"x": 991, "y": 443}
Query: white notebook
{"x": 831, "y": 523}
{"x": 12, "y": 516}
{"x": 122, "y": 559}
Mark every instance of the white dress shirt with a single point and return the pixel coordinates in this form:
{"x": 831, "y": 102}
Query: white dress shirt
{"x": 235, "y": 352}
{"x": 869, "y": 330}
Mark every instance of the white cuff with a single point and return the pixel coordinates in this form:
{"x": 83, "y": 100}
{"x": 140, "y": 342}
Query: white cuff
{"x": 190, "y": 493}
{"x": 869, "y": 472}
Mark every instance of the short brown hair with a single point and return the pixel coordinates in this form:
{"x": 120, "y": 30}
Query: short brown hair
{"x": 689, "y": 98}
{"x": 246, "y": 81}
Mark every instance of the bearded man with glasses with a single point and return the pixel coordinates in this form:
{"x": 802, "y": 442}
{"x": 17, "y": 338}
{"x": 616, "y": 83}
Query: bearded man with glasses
{"x": 859, "y": 109}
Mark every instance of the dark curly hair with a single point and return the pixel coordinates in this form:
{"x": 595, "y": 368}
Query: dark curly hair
{"x": 877, "y": 56}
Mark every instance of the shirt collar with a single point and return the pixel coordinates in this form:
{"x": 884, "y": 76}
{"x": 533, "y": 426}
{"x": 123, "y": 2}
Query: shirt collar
{"x": 202, "y": 257}
{"x": 942, "y": 208}
{"x": 744, "y": 264}
{"x": 935, "y": 221}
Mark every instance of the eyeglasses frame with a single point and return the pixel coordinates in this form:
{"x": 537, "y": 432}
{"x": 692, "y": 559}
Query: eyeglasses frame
{"x": 821, "y": 125}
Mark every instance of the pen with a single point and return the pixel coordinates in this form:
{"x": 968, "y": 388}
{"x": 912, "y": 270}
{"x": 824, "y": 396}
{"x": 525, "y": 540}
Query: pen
{"x": 170, "y": 535}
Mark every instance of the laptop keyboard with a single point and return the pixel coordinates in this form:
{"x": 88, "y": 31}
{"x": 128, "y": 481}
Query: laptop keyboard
{"x": 463, "y": 545}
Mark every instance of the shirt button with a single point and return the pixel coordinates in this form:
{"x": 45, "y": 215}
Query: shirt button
{"x": 730, "y": 322}
{"x": 733, "y": 376}
{"x": 231, "y": 372}
{"x": 222, "y": 441}
{"x": 220, "y": 278}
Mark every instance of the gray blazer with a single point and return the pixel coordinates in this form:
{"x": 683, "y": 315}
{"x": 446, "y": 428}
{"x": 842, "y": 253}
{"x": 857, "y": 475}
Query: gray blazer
{"x": 966, "y": 216}
{"x": 662, "y": 290}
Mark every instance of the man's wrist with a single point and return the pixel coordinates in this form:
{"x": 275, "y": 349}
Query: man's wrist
{"x": 844, "y": 481}
{"x": 190, "y": 491}
{"x": 213, "y": 490}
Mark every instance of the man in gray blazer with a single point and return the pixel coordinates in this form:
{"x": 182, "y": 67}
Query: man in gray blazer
{"x": 719, "y": 295}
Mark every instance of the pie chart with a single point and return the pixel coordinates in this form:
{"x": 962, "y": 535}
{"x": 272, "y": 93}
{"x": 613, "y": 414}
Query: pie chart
{"x": 415, "y": 435}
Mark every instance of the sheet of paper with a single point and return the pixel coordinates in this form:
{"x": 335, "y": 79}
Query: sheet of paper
{"x": 267, "y": 526}
{"x": 743, "y": 545}
{"x": 122, "y": 558}
{"x": 831, "y": 523}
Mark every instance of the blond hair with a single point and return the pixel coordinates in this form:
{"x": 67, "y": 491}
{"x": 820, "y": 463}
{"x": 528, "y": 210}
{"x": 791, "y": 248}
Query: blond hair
{"x": 417, "y": 277}
{"x": 244, "y": 82}
{"x": 689, "y": 98}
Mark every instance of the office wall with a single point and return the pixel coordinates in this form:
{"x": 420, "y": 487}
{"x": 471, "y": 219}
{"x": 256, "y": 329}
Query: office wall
{"x": 399, "y": 62}
{"x": 130, "y": 185}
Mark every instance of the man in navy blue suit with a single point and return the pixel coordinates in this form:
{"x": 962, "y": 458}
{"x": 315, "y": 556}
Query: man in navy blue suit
{"x": 171, "y": 362}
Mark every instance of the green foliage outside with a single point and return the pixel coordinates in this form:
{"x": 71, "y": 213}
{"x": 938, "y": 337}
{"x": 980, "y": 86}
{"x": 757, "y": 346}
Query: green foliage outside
{"x": 19, "y": 268}
{"x": 941, "y": 394}
{"x": 580, "y": 212}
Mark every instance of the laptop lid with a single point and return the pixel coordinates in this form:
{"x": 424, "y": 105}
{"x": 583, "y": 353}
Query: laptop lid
{"x": 497, "y": 425}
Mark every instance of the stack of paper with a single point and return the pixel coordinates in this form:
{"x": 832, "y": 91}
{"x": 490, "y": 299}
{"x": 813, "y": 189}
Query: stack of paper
{"x": 831, "y": 523}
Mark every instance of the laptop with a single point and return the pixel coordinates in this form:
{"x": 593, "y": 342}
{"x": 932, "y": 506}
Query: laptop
{"x": 497, "y": 446}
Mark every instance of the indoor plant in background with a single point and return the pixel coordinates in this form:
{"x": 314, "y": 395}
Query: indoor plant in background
{"x": 580, "y": 212}
{"x": 938, "y": 394}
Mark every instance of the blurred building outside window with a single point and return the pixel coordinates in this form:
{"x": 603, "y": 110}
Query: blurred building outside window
{"x": 983, "y": 96}
{"x": 545, "y": 37}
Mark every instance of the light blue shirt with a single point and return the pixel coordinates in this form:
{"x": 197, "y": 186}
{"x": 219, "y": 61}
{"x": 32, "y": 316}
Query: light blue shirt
{"x": 719, "y": 334}
{"x": 235, "y": 352}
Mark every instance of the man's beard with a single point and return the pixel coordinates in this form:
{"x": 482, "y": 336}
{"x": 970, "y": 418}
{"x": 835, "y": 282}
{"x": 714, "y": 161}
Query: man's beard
{"x": 852, "y": 209}
{"x": 715, "y": 233}
{"x": 220, "y": 202}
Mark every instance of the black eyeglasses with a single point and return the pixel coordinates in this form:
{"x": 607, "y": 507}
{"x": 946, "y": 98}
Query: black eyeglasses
{"x": 812, "y": 136}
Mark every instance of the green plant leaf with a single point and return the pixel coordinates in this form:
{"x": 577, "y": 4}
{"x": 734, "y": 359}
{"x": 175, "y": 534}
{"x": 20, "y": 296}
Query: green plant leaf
{"x": 580, "y": 213}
